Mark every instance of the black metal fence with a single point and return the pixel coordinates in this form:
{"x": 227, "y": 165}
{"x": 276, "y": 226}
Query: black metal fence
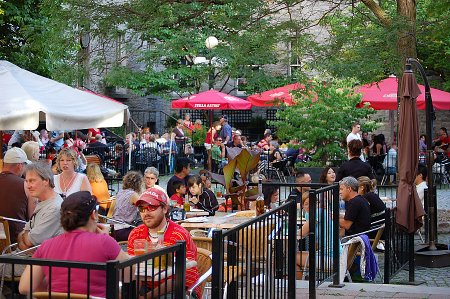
{"x": 256, "y": 259}
{"x": 127, "y": 279}
{"x": 399, "y": 248}
{"x": 323, "y": 237}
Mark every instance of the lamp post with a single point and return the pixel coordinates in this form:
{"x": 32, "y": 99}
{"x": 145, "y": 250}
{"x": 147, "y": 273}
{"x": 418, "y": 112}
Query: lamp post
{"x": 432, "y": 255}
{"x": 85, "y": 40}
{"x": 211, "y": 42}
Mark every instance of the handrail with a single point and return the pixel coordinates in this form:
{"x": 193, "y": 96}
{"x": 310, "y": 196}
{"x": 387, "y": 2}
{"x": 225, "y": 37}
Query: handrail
{"x": 175, "y": 120}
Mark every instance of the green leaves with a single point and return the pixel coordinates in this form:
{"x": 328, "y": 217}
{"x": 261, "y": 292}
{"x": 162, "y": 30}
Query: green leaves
{"x": 322, "y": 117}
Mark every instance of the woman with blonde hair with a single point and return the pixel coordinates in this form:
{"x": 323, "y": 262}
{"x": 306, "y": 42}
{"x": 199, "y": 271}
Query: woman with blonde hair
{"x": 98, "y": 184}
{"x": 69, "y": 181}
{"x": 366, "y": 188}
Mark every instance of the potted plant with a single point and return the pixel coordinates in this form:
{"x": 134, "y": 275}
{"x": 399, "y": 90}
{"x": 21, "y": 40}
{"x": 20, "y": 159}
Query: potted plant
{"x": 240, "y": 163}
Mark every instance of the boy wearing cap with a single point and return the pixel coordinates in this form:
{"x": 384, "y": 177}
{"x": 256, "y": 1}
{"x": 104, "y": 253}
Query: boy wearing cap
{"x": 14, "y": 201}
{"x": 153, "y": 208}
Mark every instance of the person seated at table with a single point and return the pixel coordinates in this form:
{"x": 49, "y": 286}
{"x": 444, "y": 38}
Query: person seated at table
{"x": 357, "y": 209}
{"x": 264, "y": 143}
{"x": 69, "y": 181}
{"x": 98, "y": 185}
{"x": 271, "y": 194}
{"x": 153, "y": 207}
{"x": 151, "y": 178}
{"x": 327, "y": 176}
{"x": 202, "y": 197}
{"x": 182, "y": 171}
{"x": 296, "y": 193}
{"x": 82, "y": 234}
{"x": 302, "y": 256}
{"x": 367, "y": 190}
{"x": 125, "y": 209}
{"x": 180, "y": 191}
{"x": 274, "y": 152}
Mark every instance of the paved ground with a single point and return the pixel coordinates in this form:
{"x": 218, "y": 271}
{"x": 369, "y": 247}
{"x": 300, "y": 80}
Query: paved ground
{"x": 365, "y": 290}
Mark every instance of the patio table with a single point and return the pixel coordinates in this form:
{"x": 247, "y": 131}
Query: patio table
{"x": 218, "y": 222}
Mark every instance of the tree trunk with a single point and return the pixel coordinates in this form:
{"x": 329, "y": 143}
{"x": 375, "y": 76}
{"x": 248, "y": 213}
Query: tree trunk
{"x": 406, "y": 43}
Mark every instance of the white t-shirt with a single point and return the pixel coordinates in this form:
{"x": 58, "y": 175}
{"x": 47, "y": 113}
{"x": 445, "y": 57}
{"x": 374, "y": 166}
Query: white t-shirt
{"x": 421, "y": 191}
{"x": 351, "y": 137}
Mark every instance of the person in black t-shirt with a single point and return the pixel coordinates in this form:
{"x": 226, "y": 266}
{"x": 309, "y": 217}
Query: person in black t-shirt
{"x": 357, "y": 210}
{"x": 354, "y": 167}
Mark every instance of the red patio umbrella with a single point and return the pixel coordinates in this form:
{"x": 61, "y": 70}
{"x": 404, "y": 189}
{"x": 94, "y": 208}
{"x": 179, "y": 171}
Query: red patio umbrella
{"x": 274, "y": 97}
{"x": 383, "y": 96}
{"x": 211, "y": 100}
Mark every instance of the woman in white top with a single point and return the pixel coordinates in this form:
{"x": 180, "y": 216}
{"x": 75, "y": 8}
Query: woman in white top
{"x": 69, "y": 181}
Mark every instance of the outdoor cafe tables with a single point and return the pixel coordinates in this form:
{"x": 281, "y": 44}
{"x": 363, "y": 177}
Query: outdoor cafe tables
{"x": 220, "y": 221}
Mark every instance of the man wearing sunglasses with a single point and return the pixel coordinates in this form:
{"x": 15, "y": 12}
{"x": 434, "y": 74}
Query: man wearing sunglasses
{"x": 153, "y": 208}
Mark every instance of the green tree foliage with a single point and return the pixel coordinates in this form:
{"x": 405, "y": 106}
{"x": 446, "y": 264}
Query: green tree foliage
{"x": 322, "y": 116}
{"x": 367, "y": 43}
{"x": 160, "y": 39}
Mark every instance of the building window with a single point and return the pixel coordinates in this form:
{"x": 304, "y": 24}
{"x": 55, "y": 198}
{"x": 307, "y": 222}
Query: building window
{"x": 294, "y": 57}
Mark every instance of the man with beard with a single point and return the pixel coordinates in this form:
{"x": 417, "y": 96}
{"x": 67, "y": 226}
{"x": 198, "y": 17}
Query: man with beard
{"x": 153, "y": 208}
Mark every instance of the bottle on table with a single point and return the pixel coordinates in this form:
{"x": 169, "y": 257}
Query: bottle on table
{"x": 260, "y": 208}
{"x": 159, "y": 262}
{"x": 187, "y": 205}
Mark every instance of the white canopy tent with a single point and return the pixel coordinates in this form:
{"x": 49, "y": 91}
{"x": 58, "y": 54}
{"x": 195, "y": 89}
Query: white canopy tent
{"x": 27, "y": 98}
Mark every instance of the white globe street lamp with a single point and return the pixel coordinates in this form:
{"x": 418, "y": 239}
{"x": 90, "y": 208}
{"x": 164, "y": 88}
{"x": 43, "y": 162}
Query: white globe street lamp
{"x": 211, "y": 42}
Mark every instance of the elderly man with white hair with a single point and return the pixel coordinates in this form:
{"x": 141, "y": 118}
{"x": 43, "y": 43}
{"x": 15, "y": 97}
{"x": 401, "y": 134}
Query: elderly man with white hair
{"x": 357, "y": 208}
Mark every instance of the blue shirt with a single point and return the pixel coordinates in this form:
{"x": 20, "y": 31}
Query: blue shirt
{"x": 226, "y": 131}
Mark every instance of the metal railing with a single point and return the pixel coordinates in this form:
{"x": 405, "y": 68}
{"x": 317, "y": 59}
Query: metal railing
{"x": 323, "y": 239}
{"x": 127, "y": 279}
{"x": 257, "y": 258}
{"x": 399, "y": 248}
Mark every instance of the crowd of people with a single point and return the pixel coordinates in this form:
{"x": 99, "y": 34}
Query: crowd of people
{"x": 60, "y": 203}
{"x": 61, "y": 214}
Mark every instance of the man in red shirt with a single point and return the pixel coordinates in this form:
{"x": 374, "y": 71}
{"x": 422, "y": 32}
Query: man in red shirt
{"x": 153, "y": 207}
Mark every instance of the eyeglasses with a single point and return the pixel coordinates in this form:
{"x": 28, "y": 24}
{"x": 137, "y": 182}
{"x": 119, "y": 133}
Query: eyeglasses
{"x": 150, "y": 178}
{"x": 218, "y": 139}
{"x": 149, "y": 208}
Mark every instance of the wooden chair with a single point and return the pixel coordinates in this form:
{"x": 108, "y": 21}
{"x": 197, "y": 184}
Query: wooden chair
{"x": 55, "y": 295}
{"x": 5, "y": 243}
{"x": 203, "y": 242}
{"x": 93, "y": 159}
{"x": 112, "y": 207}
{"x": 204, "y": 264}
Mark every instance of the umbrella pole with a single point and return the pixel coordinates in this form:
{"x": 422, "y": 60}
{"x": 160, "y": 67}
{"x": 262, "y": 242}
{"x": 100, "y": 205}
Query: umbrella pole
{"x": 210, "y": 150}
{"x": 1, "y": 150}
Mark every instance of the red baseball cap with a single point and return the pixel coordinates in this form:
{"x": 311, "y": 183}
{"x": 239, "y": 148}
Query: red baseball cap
{"x": 152, "y": 196}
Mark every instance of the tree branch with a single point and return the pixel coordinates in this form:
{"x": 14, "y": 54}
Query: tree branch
{"x": 378, "y": 12}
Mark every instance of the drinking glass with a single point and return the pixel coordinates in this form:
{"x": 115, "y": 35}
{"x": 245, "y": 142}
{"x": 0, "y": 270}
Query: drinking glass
{"x": 140, "y": 246}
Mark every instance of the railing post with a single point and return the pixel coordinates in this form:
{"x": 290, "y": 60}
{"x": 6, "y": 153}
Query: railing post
{"x": 336, "y": 258}
{"x": 180, "y": 269}
{"x": 217, "y": 265}
{"x": 292, "y": 241}
{"x": 411, "y": 252}
{"x": 312, "y": 247}
{"x": 387, "y": 245}
{"x": 112, "y": 280}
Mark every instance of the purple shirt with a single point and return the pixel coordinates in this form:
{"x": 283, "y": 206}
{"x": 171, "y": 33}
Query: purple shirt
{"x": 82, "y": 246}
